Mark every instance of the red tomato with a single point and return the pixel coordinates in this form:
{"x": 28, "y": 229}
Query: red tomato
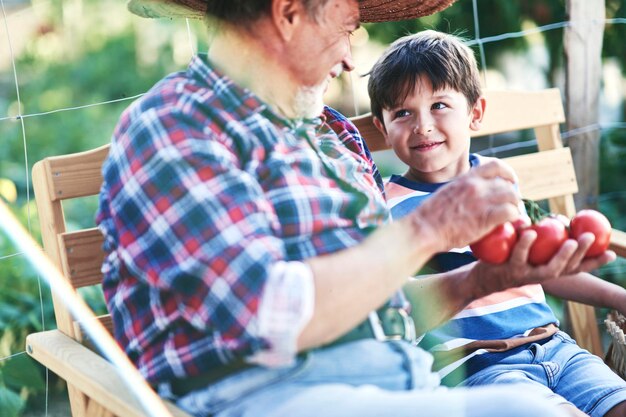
{"x": 551, "y": 234}
{"x": 496, "y": 246}
{"x": 596, "y": 223}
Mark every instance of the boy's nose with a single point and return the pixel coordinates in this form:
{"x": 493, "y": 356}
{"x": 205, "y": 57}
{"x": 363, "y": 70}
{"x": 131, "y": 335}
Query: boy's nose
{"x": 423, "y": 128}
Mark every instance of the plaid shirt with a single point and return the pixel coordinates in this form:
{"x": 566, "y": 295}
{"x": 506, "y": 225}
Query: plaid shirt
{"x": 206, "y": 188}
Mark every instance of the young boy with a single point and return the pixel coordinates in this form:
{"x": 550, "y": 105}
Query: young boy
{"x": 426, "y": 98}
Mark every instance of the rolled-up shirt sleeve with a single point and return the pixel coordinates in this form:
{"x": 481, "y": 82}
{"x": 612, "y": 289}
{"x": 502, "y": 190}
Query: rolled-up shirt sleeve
{"x": 285, "y": 307}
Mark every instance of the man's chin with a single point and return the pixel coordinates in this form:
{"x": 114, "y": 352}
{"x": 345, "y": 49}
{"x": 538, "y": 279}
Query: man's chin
{"x": 309, "y": 101}
{"x": 313, "y": 111}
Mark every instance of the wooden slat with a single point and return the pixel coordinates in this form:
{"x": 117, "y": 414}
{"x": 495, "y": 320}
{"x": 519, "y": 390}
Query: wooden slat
{"x": 78, "y": 401}
{"x": 76, "y": 175}
{"x": 82, "y": 337}
{"x": 584, "y": 326}
{"x": 507, "y": 111}
{"x": 96, "y": 410}
{"x": 373, "y": 138}
{"x": 546, "y": 174}
{"x": 618, "y": 242}
{"x": 90, "y": 372}
{"x": 52, "y": 223}
{"x": 83, "y": 256}
{"x": 548, "y": 137}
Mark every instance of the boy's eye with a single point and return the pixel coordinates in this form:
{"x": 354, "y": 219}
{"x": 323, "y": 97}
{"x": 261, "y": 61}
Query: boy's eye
{"x": 438, "y": 106}
{"x": 401, "y": 113}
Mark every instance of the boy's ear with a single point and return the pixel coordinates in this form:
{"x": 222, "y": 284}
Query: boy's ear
{"x": 381, "y": 128}
{"x": 477, "y": 113}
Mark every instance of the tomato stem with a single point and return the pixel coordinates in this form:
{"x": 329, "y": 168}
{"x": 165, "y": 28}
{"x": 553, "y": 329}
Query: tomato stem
{"x": 534, "y": 211}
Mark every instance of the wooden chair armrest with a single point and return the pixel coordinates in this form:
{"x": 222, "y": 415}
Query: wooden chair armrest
{"x": 618, "y": 242}
{"x": 88, "y": 372}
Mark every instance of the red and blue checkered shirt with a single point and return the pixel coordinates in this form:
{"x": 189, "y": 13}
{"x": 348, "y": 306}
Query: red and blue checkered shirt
{"x": 206, "y": 188}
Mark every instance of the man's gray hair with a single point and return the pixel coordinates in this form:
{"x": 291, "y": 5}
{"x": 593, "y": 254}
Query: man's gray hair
{"x": 247, "y": 11}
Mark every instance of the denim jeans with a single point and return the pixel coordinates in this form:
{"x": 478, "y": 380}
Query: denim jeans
{"x": 560, "y": 368}
{"x": 365, "y": 378}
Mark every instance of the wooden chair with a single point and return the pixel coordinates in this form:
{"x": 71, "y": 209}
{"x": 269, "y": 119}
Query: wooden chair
{"x": 95, "y": 388}
{"x": 545, "y": 174}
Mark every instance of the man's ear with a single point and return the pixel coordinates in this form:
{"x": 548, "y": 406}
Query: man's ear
{"x": 381, "y": 128}
{"x": 286, "y": 16}
{"x": 477, "y": 113}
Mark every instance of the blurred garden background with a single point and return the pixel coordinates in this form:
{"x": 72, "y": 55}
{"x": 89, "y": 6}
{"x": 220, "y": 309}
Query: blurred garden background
{"x": 69, "y": 67}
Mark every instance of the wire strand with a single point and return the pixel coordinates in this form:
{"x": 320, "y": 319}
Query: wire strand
{"x": 10, "y": 256}
{"x": 85, "y": 106}
{"x": 12, "y": 356}
{"x": 27, "y": 176}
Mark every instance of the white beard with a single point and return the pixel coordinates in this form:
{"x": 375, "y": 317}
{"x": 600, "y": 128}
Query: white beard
{"x": 309, "y": 101}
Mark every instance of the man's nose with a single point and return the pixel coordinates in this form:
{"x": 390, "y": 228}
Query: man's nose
{"x": 347, "y": 62}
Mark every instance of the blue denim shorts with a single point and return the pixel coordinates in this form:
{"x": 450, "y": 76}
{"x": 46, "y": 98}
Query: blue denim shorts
{"x": 365, "y": 378}
{"x": 562, "y": 369}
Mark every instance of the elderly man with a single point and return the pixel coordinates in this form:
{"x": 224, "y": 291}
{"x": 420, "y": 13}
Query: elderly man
{"x": 251, "y": 269}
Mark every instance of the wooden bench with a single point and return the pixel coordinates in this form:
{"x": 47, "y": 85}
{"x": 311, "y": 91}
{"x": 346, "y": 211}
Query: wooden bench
{"x": 95, "y": 389}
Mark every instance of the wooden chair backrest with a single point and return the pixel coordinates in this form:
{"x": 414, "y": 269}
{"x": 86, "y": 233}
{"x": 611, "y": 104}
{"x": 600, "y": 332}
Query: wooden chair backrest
{"x": 77, "y": 254}
{"x": 547, "y": 174}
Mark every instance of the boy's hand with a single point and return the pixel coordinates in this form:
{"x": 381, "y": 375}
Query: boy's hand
{"x": 471, "y": 206}
{"x": 517, "y": 271}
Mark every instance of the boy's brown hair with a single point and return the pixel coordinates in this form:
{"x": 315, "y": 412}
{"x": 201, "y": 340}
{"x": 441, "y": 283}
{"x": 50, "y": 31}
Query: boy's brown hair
{"x": 442, "y": 58}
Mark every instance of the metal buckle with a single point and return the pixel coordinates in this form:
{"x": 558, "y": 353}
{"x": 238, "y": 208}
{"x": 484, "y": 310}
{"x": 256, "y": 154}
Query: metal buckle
{"x": 379, "y": 332}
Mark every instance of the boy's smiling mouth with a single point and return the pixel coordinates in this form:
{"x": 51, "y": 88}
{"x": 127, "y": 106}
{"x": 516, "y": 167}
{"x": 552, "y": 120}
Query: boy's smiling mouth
{"x": 426, "y": 146}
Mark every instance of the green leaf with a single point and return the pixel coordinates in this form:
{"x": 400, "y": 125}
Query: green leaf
{"x": 22, "y": 371}
{"x": 11, "y": 404}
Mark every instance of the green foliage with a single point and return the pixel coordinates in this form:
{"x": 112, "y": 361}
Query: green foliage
{"x": 106, "y": 68}
{"x": 612, "y": 156}
{"x": 11, "y": 403}
{"x": 612, "y": 199}
{"x": 108, "y": 72}
{"x": 21, "y": 372}
{"x": 26, "y": 307}
{"x": 615, "y": 34}
{"x": 494, "y": 18}
{"x": 20, "y": 314}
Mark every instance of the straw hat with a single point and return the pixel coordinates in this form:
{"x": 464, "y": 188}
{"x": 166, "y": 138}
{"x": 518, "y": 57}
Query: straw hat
{"x": 371, "y": 10}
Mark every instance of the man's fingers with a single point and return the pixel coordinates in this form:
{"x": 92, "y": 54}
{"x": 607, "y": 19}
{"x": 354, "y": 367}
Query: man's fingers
{"x": 499, "y": 214}
{"x": 502, "y": 202}
{"x": 496, "y": 168}
{"x": 503, "y": 191}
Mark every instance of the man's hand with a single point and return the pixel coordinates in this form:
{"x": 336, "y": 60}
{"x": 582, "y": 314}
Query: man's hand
{"x": 469, "y": 207}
